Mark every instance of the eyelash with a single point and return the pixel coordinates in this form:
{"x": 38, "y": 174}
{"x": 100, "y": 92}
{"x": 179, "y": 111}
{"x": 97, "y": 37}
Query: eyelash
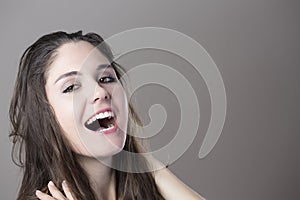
{"x": 112, "y": 79}
{"x": 75, "y": 86}
{"x": 71, "y": 88}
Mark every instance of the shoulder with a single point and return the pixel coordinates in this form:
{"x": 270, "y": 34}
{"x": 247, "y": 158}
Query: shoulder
{"x": 172, "y": 188}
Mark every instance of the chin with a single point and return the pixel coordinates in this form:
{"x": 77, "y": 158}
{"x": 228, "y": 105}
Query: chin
{"x": 105, "y": 147}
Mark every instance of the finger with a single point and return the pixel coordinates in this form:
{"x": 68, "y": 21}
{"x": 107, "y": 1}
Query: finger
{"x": 55, "y": 192}
{"x": 43, "y": 196}
{"x": 67, "y": 190}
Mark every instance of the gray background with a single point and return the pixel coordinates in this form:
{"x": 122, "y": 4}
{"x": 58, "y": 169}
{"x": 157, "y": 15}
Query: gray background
{"x": 254, "y": 43}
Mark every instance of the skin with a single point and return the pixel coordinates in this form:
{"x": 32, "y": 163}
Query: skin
{"x": 172, "y": 188}
{"x": 76, "y": 98}
{"x": 84, "y": 96}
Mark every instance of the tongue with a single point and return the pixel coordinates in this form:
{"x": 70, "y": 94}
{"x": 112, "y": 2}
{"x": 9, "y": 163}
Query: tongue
{"x": 105, "y": 122}
{"x": 100, "y": 124}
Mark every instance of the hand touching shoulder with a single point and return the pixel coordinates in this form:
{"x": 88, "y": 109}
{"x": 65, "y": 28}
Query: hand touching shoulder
{"x": 172, "y": 188}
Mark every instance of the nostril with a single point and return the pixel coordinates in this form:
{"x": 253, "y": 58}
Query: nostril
{"x": 96, "y": 99}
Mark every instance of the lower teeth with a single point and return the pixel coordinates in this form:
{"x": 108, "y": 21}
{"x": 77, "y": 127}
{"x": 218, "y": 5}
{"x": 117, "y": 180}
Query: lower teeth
{"x": 110, "y": 126}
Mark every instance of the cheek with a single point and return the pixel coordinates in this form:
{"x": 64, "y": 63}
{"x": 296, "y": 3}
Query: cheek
{"x": 119, "y": 101}
{"x": 65, "y": 116}
{"x": 119, "y": 98}
{"x": 64, "y": 113}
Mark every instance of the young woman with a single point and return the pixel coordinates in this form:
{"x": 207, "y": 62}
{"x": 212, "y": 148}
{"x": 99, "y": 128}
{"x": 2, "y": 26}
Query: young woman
{"x": 71, "y": 121}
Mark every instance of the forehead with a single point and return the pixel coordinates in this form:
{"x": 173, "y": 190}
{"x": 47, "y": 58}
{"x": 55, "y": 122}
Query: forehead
{"x": 75, "y": 56}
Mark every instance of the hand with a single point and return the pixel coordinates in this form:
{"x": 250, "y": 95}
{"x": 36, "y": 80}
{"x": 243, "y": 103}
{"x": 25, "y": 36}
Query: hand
{"x": 56, "y": 194}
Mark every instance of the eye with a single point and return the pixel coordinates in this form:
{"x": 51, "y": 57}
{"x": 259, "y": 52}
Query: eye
{"x": 106, "y": 79}
{"x": 71, "y": 88}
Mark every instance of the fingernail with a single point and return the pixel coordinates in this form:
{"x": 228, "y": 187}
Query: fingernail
{"x": 65, "y": 183}
{"x": 51, "y": 183}
{"x": 38, "y": 193}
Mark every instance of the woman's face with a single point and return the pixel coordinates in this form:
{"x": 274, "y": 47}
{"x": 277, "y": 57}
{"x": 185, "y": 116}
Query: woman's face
{"x": 89, "y": 102}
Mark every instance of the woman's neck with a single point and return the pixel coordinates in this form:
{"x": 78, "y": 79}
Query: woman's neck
{"x": 101, "y": 177}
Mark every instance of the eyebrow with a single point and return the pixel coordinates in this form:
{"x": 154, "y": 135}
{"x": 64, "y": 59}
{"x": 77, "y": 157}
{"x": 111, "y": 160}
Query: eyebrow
{"x": 76, "y": 73}
{"x": 103, "y": 66}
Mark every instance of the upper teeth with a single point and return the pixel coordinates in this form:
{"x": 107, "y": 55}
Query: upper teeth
{"x": 106, "y": 114}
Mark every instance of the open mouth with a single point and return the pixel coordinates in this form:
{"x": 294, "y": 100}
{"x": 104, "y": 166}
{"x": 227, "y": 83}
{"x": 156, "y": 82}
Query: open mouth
{"x": 102, "y": 122}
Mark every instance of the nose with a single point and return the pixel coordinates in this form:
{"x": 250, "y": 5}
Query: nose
{"x": 100, "y": 94}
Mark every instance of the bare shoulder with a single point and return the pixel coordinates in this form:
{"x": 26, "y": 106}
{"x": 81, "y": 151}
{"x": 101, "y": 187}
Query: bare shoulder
{"x": 172, "y": 188}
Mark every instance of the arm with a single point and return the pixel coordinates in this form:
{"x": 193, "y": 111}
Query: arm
{"x": 172, "y": 188}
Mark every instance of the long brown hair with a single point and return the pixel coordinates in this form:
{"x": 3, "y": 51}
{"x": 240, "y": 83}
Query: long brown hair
{"x": 39, "y": 146}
